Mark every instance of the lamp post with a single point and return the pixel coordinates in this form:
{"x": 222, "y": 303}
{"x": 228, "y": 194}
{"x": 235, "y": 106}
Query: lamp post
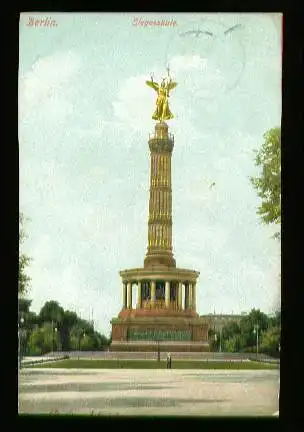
{"x": 19, "y": 340}
{"x": 256, "y": 331}
{"x": 54, "y": 330}
{"x": 215, "y": 340}
{"x": 158, "y": 350}
{"x": 220, "y": 339}
{"x": 81, "y": 335}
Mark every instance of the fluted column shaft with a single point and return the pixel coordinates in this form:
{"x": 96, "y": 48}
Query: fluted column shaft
{"x": 160, "y": 203}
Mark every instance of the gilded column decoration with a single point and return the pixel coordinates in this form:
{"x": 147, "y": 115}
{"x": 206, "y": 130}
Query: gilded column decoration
{"x": 161, "y": 169}
{"x": 158, "y": 170}
{"x": 161, "y": 210}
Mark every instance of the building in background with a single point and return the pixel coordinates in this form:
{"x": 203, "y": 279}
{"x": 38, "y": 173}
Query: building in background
{"x": 215, "y": 321}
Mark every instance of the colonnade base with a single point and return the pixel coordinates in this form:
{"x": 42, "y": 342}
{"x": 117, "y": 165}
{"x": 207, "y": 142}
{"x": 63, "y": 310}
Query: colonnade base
{"x": 163, "y": 347}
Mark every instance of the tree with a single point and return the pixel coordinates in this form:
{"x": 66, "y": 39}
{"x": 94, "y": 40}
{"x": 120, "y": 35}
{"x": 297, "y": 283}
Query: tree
{"x": 231, "y": 329}
{"x": 86, "y": 343}
{"x": 43, "y": 340}
{"x": 34, "y": 343}
{"x": 270, "y": 341}
{"x": 268, "y": 184}
{"x": 24, "y": 305}
{"x": 69, "y": 320}
{"x": 235, "y": 343}
{"x": 51, "y": 311}
{"x": 275, "y": 319}
{"x": 248, "y": 323}
{"x": 101, "y": 341}
{"x": 24, "y": 261}
{"x": 77, "y": 333}
{"x": 213, "y": 339}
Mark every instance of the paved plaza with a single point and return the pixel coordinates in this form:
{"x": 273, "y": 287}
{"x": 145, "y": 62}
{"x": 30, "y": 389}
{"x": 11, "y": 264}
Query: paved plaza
{"x": 149, "y": 392}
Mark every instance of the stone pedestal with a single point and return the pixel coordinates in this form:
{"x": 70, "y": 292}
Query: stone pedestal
{"x": 143, "y": 331}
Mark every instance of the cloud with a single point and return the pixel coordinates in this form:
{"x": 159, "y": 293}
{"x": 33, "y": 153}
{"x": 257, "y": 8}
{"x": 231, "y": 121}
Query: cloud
{"x": 188, "y": 62}
{"x": 134, "y": 104}
{"x": 43, "y": 87}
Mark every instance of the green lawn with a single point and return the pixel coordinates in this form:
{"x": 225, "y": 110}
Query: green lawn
{"x": 152, "y": 364}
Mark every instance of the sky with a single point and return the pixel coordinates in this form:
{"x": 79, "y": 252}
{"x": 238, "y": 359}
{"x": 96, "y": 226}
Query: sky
{"x": 84, "y": 123}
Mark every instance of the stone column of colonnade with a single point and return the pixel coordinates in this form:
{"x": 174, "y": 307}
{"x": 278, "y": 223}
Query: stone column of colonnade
{"x": 189, "y": 289}
{"x": 194, "y": 296}
{"x": 138, "y": 304}
{"x": 153, "y": 293}
{"x": 167, "y": 294}
{"x": 129, "y": 295}
{"x": 124, "y": 295}
{"x": 190, "y": 295}
{"x": 180, "y": 296}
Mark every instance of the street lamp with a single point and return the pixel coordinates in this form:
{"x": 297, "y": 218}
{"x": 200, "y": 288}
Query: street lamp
{"x": 215, "y": 340}
{"x": 19, "y": 340}
{"x": 54, "y": 330}
{"x": 256, "y": 331}
{"x": 81, "y": 335}
{"x": 220, "y": 339}
{"x": 158, "y": 350}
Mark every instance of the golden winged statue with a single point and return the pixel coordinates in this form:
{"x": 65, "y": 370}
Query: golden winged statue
{"x": 162, "y": 111}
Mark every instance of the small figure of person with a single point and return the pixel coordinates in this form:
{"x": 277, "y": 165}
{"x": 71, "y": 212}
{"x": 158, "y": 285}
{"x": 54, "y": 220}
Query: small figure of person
{"x": 169, "y": 360}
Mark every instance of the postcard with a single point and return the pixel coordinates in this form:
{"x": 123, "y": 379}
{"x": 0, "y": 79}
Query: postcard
{"x": 150, "y": 212}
